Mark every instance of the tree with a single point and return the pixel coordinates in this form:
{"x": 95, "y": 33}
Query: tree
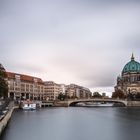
{"x": 97, "y": 95}
{"x": 3, "y": 82}
{"x": 62, "y": 97}
{"x": 118, "y": 94}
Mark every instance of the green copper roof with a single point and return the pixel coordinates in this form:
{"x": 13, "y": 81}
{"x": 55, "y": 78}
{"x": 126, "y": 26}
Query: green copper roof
{"x": 132, "y": 66}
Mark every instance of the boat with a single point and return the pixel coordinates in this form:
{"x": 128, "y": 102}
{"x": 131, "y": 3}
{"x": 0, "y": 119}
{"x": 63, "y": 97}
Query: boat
{"x": 28, "y": 105}
{"x": 31, "y": 106}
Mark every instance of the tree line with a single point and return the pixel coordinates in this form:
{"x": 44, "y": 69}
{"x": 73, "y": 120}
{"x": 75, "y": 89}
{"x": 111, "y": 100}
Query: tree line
{"x": 3, "y": 83}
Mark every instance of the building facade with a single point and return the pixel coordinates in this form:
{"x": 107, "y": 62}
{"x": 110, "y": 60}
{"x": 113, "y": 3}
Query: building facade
{"x": 52, "y": 90}
{"x": 129, "y": 81}
{"x": 76, "y": 91}
{"x": 25, "y": 87}
{"x": 33, "y": 88}
{"x": 28, "y": 87}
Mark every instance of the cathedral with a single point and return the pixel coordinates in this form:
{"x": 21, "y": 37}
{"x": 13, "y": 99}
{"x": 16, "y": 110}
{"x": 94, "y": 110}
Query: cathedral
{"x": 129, "y": 81}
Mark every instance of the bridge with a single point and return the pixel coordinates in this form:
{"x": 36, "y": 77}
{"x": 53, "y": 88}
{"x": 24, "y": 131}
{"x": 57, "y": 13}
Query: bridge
{"x": 74, "y": 102}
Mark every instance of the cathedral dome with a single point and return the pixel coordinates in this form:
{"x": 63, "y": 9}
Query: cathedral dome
{"x": 132, "y": 66}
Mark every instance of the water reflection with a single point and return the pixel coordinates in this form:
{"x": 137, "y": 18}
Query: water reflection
{"x": 94, "y": 104}
{"x": 84, "y": 123}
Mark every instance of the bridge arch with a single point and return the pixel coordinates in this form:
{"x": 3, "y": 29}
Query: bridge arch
{"x": 74, "y": 102}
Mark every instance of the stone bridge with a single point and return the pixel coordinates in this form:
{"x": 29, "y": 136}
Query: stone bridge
{"x": 74, "y": 102}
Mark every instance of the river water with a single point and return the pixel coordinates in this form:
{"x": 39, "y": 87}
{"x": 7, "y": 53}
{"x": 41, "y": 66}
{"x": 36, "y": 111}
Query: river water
{"x": 75, "y": 123}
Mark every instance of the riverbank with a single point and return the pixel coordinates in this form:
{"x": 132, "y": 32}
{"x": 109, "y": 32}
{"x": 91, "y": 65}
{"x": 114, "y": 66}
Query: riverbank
{"x": 5, "y": 119}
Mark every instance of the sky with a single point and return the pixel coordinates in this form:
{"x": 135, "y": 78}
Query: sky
{"x": 86, "y": 42}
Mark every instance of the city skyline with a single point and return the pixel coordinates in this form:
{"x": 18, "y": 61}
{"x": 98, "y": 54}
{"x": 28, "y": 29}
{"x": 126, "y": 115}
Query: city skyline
{"x": 67, "y": 41}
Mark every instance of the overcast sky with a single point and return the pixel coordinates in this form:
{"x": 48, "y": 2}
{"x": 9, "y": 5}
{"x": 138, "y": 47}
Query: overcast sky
{"x": 86, "y": 42}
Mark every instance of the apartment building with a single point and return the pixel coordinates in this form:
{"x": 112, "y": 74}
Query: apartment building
{"x": 25, "y": 87}
{"x": 28, "y": 87}
{"x": 52, "y": 90}
{"x": 76, "y": 91}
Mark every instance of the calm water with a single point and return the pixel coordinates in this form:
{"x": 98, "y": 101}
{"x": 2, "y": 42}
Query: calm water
{"x": 75, "y": 123}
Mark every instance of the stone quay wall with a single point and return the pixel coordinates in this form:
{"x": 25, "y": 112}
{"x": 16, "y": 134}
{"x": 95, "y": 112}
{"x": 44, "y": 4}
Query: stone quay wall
{"x": 4, "y": 120}
{"x": 133, "y": 103}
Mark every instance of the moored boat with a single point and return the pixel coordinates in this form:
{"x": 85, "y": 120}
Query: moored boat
{"x": 28, "y": 105}
{"x": 31, "y": 106}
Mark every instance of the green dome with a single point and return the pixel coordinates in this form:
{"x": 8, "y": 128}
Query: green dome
{"x": 132, "y": 66}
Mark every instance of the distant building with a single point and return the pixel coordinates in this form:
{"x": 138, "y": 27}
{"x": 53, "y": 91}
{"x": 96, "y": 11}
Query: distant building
{"x": 63, "y": 88}
{"x": 25, "y": 87}
{"x": 52, "y": 90}
{"x": 28, "y": 87}
{"x": 103, "y": 94}
{"x": 76, "y": 91}
{"x": 129, "y": 81}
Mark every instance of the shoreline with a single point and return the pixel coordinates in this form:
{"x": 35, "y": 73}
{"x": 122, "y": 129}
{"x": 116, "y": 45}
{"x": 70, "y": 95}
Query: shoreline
{"x": 6, "y": 119}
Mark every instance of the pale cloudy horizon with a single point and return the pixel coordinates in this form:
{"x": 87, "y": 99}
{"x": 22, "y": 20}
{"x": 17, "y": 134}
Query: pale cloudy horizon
{"x": 86, "y": 42}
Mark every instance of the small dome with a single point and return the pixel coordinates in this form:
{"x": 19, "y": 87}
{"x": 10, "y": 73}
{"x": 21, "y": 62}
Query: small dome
{"x": 132, "y": 66}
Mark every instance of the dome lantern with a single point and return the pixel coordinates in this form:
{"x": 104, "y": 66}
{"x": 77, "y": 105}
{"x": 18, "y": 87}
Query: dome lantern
{"x": 132, "y": 57}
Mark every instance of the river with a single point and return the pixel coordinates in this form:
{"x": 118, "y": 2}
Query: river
{"x": 75, "y": 123}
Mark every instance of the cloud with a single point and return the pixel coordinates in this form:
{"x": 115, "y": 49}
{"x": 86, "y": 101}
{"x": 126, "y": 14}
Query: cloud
{"x": 84, "y": 42}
